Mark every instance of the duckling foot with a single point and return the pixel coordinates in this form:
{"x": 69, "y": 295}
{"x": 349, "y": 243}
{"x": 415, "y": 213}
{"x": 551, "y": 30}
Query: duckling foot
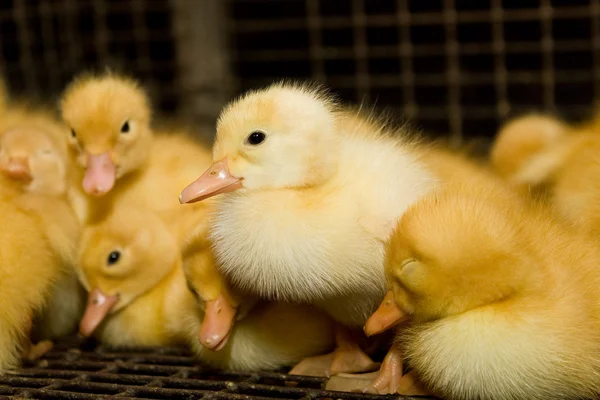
{"x": 390, "y": 379}
{"x": 33, "y": 352}
{"x": 348, "y": 358}
{"x": 313, "y": 366}
{"x": 351, "y": 359}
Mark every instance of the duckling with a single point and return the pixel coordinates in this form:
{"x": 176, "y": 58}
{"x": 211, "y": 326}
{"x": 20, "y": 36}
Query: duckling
{"x": 131, "y": 264}
{"x": 575, "y": 191}
{"x": 567, "y": 166}
{"x": 33, "y": 150}
{"x": 514, "y": 154}
{"x": 33, "y": 159}
{"x": 110, "y": 135}
{"x": 222, "y": 305}
{"x": 112, "y": 141}
{"x": 502, "y": 297}
{"x": 32, "y": 262}
{"x": 126, "y": 163}
{"x": 310, "y": 192}
{"x": 28, "y": 267}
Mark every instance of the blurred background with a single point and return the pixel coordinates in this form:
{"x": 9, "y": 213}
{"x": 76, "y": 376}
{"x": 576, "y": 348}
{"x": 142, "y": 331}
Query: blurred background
{"x": 455, "y": 68}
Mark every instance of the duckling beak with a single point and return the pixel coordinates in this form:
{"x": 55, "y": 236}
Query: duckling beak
{"x": 18, "y": 168}
{"x": 100, "y": 174}
{"x": 98, "y": 306}
{"x": 386, "y": 316}
{"x": 213, "y": 181}
{"x": 217, "y": 324}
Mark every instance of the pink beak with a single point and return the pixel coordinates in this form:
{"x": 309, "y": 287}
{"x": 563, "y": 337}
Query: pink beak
{"x": 386, "y": 316}
{"x": 18, "y": 168}
{"x": 214, "y": 181}
{"x": 98, "y": 306}
{"x": 100, "y": 174}
{"x": 217, "y": 324}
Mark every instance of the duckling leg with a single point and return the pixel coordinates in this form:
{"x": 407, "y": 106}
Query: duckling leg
{"x": 390, "y": 379}
{"x": 348, "y": 357}
{"x": 32, "y": 351}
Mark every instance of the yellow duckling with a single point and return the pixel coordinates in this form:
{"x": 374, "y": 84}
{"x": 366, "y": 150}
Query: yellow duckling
{"x": 502, "y": 298}
{"x": 122, "y": 161}
{"x": 132, "y": 265}
{"x": 310, "y": 192}
{"x": 34, "y": 162}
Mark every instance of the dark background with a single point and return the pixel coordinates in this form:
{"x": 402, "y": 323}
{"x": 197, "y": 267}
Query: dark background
{"x": 454, "y": 67}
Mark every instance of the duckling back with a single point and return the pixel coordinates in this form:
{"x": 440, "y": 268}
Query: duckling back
{"x": 576, "y": 191}
{"x": 28, "y": 268}
{"x": 518, "y": 315}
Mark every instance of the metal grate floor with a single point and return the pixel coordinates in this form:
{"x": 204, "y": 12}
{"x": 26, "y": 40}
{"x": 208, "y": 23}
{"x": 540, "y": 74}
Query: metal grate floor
{"x": 76, "y": 372}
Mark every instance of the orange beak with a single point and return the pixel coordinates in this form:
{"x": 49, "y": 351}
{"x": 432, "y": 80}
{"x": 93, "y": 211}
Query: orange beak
{"x": 217, "y": 324}
{"x": 98, "y": 307}
{"x": 18, "y": 168}
{"x": 386, "y": 316}
{"x": 213, "y": 181}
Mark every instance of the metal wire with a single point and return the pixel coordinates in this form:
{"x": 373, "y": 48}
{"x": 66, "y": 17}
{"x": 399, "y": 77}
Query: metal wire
{"x": 70, "y": 372}
{"x": 43, "y": 44}
{"x": 456, "y": 67}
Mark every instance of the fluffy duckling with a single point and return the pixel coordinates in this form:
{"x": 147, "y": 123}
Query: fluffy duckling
{"x": 311, "y": 192}
{"x": 34, "y": 162}
{"x": 567, "y": 165}
{"x": 125, "y": 163}
{"x": 131, "y": 263}
{"x": 28, "y": 267}
{"x": 36, "y": 250}
{"x": 502, "y": 297}
{"x": 33, "y": 151}
{"x": 575, "y": 191}
{"x": 110, "y": 135}
{"x": 514, "y": 154}
{"x": 112, "y": 141}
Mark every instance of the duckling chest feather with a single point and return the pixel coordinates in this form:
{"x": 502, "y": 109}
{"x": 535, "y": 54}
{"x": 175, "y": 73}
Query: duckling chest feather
{"x": 284, "y": 251}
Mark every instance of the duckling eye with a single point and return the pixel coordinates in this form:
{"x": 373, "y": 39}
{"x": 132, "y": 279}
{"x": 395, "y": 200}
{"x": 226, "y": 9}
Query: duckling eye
{"x": 256, "y": 138}
{"x": 113, "y": 257}
{"x": 73, "y": 134}
{"x": 47, "y": 152}
{"x": 407, "y": 262}
{"x": 125, "y": 127}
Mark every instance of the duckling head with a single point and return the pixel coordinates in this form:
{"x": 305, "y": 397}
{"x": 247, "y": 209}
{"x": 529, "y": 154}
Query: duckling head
{"x": 120, "y": 259}
{"x": 33, "y": 154}
{"x": 280, "y": 137}
{"x": 454, "y": 250}
{"x": 521, "y": 139}
{"x": 109, "y": 121}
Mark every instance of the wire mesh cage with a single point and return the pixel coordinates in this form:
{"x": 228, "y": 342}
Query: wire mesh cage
{"x": 454, "y": 67}
{"x": 70, "y": 372}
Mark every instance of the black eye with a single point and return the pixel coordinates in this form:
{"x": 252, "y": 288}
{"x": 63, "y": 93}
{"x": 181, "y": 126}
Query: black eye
{"x": 113, "y": 257}
{"x": 125, "y": 127}
{"x": 73, "y": 134}
{"x": 256, "y": 138}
